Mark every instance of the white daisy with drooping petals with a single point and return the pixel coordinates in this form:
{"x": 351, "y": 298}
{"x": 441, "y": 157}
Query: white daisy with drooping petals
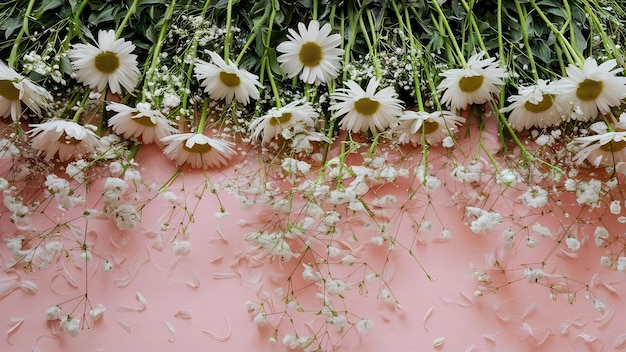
{"x": 314, "y": 52}
{"x": 272, "y": 124}
{"x": 364, "y": 110}
{"x": 593, "y": 88}
{"x": 109, "y": 63}
{"x": 419, "y": 127}
{"x": 66, "y": 138}
{"x": 605, "y": 149}
{"x": 473, "y": 84}
{"x": 536, "y": 106}
{"x": 227, "y": 81}
{"x": 198, "y": 150}
{"x": 140, "y": 123}
{"x": 15, "y": 89}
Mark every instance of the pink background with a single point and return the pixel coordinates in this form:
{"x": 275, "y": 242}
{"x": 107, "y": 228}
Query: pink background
{"x": 215, "y": 279}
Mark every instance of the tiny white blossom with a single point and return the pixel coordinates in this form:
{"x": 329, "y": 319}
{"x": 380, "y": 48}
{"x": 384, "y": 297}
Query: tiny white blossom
{"x": 572, "y": 243}
{"x": 615, "y": 207}
{"x": 599, "y": 305}
{"x": 53, "y": 313}
{"x": 364, "y": 325}
{"x": 181, "y": 247}
{"x": 533, "y": 275}
{"x": 309, "y": 274}
{"x": 621, "y": 264}
{"x": 535, "y": 197}
{"x": 531, "y": 242}
{"x": 335, "y": 287}
{"x": 96, "y": 312}
{"x": 71, "y": 325}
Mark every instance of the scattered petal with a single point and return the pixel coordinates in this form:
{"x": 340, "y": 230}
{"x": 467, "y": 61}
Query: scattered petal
{"x": 183, "y": 314}
{"x": 218, "y": 337}
{"x": 438, "y": 342}
{"x": 170, "y": 327}
{"x": 426, "y": 317}
{"x": 17, "y": 322}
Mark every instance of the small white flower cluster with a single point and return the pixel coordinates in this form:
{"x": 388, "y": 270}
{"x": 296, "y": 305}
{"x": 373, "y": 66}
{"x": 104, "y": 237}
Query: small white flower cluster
{"x": 482, "y": 221}
{"x": 273, "y": 245}
{"x": 39, "y": 257}
{"x": 125, "y": 214}
{"x": 72, "y": 325}
{"x": 470, "y": 173}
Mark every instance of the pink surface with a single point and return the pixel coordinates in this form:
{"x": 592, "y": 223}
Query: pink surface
{"x": 197, "y": 301}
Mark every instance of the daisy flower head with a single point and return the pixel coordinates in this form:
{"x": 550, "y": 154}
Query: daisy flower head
{"x": 109, "y": 63}
{"x": 198, "y": 150}
{"x": 418, "y": 127}
{"x": 364, "y": 110}
{"x": 272, "y": 124}
{"x": 65, "y": 137}
{"x": 536, "y": 106}
{"x": 473, "y": 84}
{"x": 140, "y": 123}
{"x": 313, "y": 52}
{"x": 603, "y": 149}
{"x": 227, "y": 81}
{"x": 593, "y": 88}
{"x": 15, "y": 89}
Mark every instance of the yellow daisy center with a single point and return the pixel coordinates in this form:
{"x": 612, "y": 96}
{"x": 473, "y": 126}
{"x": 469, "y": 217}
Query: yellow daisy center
{"x": 107, "y": 62}
{"x": 471, "y": 83}
{"x": 366, "y": 106}
{"x": 198, "y": 148}
{"x": 543, "y": 105}
{"x": 613, "y": 146}
{"x": 311, "y": 54}
{"x": 230, "y": 79}
{"x": 143, "y": 120}
{"x": 428, "y": 127}
{"x": 589, "y": 90}
{"x": 276, "y": 121}
{"x": 65, "y": 139}
{"x": 8, "y": 90}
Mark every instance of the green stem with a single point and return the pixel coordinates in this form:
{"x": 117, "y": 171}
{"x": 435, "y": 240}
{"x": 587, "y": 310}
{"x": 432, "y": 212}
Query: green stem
{"x": 266, "y": 59}
{"x": 81, "y": 107}
{"x": 573, "y": 55}
{"x": 229, "y": 18}
{"x": 156, "y": 52}
{"x": 254, "y": 32}
{"x": 521, "y": 10}
{"x": 372, "y": 52}
{"x": 451, "y": 35}
{"x": 472, "y": 20}
{"x": 352, "y": 19}
{"x": 314, "y": 15}
{"x": 20, "y": 34}
{"x": 131, "y": 11}
{"x": 205, "y": 111}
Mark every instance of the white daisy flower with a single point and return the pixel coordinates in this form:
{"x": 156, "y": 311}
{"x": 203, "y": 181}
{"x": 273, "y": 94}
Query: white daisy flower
{"x": 592, "y": 89}
{"x": 15, "y": 89}
{"x": 419, "y": 126}
{"x": 227, "y": 81}
{"x": 536, "y": 106}
{"x": 65, "y": 137}
{"x": 140, "y": 123}
{"x": 272, "y": 124}
{"x": 366, "y": 109}
{"x": 313, "y": 51}
{"x": 198, "y": 150}
{"x": 473, "y": 84}
{"x": 604, "y": 149}
{"x": 110, "y": 62}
